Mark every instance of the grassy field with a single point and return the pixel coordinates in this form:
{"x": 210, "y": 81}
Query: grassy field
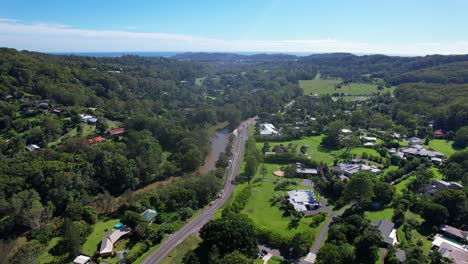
{"x": 319, "y": 86}
{"x": 199, "y": 81}
{"x": 402, "y": 185}
{"x": 329, "y": 86}
{"x": 99, "y": 230}
{"x": 378, "y": 215}
{"x": 268, "y": 216}
{"x": 176, "y": 255}
{"x": 317, "y": 152}
{"x": 443, "y": 146}
{"x": 87, "y": 130}
{"x": 46, "y": 257}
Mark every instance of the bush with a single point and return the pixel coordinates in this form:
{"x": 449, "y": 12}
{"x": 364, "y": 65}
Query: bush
{"x": 137, "y": 250}
{"x": 317, "y": 219}
{"x": 241, "y": 199}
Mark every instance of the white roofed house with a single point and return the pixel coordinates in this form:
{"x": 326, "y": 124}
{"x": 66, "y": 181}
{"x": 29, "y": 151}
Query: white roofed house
{"x": 32, "y": 147}
{"x": 303, "y": 200}
{"x": 268, "y": 129}
{"x": 81, "y": 259}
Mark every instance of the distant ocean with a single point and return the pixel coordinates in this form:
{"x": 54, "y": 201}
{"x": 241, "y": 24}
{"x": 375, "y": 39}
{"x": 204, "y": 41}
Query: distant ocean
{"x": 167, "y": 53}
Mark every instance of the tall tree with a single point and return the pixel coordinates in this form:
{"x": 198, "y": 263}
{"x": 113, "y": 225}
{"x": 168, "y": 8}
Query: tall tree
{"x": 359, "y": 189}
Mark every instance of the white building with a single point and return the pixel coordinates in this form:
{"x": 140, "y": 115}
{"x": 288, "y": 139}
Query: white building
{"x": 302, "y": 200}
{"x": 268, "y": 129}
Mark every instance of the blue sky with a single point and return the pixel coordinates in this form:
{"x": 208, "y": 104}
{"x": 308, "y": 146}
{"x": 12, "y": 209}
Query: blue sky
{"x": 360, "y": 26}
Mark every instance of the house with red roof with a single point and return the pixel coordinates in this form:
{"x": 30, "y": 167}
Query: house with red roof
{"x": 96, "y": 140}
{"x": 439, "y": 133}
{"x": 116, "y": 131}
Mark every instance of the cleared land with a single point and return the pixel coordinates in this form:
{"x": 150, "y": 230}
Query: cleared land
{"x": 331, "y": 86}
{"x": 386, "y": 213}
{"x": 317, "y": 152}
{"x": 444, "y": 146}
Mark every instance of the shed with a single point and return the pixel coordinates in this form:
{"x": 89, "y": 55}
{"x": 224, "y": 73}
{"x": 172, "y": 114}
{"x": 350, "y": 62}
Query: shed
{"x": 149, "y": 215}
{"x": 81, "y": 259}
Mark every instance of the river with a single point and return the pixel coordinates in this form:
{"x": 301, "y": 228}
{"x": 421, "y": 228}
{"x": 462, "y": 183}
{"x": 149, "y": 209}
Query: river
{"x": 219, "y": 137}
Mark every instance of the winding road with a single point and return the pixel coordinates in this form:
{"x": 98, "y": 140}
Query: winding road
{"x": 206, "y": 215}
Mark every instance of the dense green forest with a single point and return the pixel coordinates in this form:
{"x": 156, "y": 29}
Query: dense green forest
{"x": 79, "y": 172}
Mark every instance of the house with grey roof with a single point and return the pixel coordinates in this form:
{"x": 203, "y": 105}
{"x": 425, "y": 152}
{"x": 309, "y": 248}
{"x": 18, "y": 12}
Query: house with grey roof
{"x": 388, "y": 231}
{"x": 107, "y": 243}
{"x": 451, "y": 249}
{"x": 438, "y": 185}
{"x": 455, "y": 233}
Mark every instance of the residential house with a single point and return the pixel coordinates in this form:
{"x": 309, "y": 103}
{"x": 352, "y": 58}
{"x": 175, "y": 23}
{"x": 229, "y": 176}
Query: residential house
{"x": 149, "y": 215}
{"x": 96, "y": 140}
{"x": 32, "y": 147}
{"x": 415, "y": 141}
{"x": 455, "y": 233}
{"x": 439, "y": 185}
{"x": 268, "y": 129}
{"x": 303, "y": 200}
{"x": 116, "y": 131}
{"x": 388, "y": 231}
{"x": 81, "y": 259}
{"x": 280, "y": 149}
{"x": 302, "y": 171}
{"x": 107, "y": 243}
{"x": 439, "y": 133}
{"x": 456, "y": 252}
{"x": 369, "y": 139}
{"x": 88, "y": 119}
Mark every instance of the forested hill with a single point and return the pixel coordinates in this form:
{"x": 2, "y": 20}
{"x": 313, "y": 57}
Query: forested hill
{"x": 233, "y": 57}
{"x": 393, "y": 69}
{"x": 76, "y": 128}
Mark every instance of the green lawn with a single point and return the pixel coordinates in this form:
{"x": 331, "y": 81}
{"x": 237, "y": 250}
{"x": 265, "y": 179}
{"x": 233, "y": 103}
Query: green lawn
{"x": 437, "y": 174}
{"x": 46, "y": 257}
{"x": 378, "y": 215}
{"x": 319, "y": 85}
{"x": 443, "y": 146}
{"x": 99, "y": 230}
{"x": 87, "y": 130}
{"x": 314, "y": 149}
{"x": 176, "y": 255}
{"x": 275, "y": 260}
{"x": 329, "y": 86}
{"x": 264, "y": 215}
{"x": 402, "y": 185}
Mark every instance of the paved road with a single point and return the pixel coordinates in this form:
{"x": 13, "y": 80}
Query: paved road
{"x": 318, "y": 241}
{"x": 199, "y": 221}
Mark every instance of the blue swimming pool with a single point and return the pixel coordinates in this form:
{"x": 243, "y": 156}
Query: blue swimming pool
{"x": 119, "y": 225}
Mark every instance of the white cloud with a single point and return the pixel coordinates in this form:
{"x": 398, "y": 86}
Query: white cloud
{"x": 57, "y": 37}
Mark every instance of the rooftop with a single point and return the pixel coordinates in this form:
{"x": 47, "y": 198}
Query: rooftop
{"x": 116, "y": 131}
{"x": 387, "y": 230}
{"x": 81, "y": 259}
{"x": 149, "y": 214}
